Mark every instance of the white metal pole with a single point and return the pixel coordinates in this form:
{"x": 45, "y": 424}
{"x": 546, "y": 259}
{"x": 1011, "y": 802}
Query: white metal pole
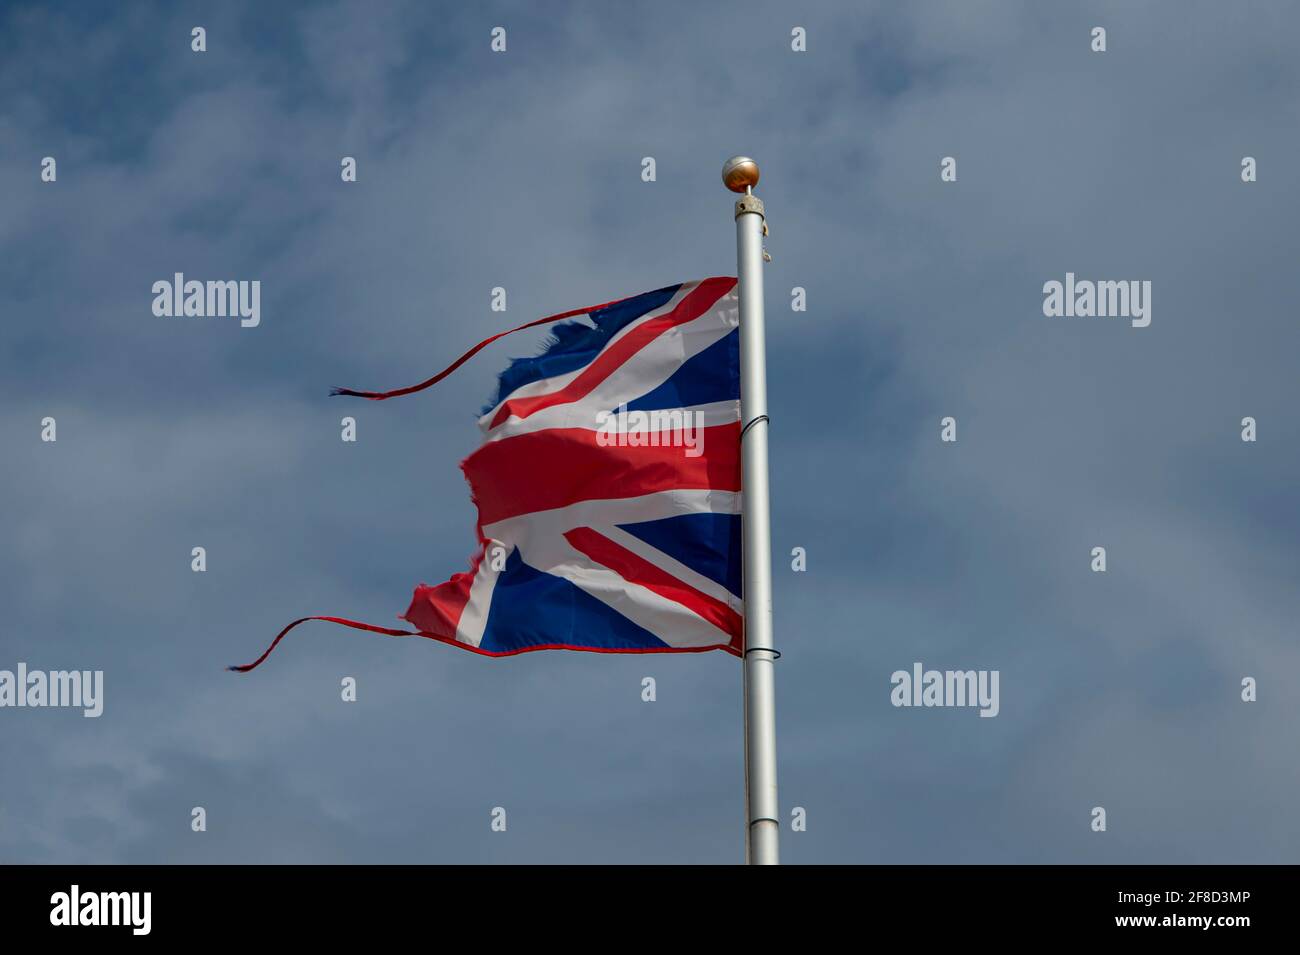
{"x": 763, "y": 826}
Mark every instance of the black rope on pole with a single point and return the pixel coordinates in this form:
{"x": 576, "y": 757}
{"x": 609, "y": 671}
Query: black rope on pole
{"x": 753, "y": 422}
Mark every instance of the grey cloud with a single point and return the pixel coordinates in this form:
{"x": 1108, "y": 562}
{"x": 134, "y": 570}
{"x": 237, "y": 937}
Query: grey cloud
{"x": 924, "y": 300}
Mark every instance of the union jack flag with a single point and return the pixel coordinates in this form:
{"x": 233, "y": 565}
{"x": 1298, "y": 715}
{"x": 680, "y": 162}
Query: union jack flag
{"x": 596, "y": 532}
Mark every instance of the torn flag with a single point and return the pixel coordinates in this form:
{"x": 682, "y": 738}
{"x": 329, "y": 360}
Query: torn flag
{"x": 607, "y": 488}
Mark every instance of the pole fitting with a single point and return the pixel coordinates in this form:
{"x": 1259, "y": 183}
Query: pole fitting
{"x": 752, "y": 422}
{"x": 750, "y": 203}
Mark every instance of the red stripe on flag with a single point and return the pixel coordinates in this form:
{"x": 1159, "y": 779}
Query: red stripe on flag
{"x": 557, "y": 467}
{"x": 695, "y": 303}
{"x": 636, "y": 569}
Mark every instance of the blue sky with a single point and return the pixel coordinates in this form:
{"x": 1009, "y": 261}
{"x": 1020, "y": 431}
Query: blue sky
{"x": 522, "y": 170}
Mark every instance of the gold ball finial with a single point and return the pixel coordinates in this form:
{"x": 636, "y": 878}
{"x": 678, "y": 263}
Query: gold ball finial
{"x": 740, "y": 173}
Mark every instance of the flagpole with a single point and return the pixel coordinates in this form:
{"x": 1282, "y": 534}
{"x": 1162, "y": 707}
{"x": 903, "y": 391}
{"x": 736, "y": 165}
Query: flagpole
{"x": 740, "y": 174}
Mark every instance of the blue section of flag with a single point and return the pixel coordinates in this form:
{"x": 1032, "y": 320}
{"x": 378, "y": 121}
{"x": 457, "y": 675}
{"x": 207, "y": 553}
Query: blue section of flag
{"x": 530, "y": 607}
{"x": 574, "y": 344}
{"x": 708, "y": 544}
{"x": 712, "y": 375}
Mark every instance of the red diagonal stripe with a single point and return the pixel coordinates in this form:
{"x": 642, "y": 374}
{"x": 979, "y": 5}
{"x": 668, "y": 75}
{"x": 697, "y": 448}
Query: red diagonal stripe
{"x": 636, "y": 569}
{"x": 692, "y": 306}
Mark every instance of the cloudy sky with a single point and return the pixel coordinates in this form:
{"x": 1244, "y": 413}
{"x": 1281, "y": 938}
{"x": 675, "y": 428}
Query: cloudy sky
{"x": 523, "y": 170}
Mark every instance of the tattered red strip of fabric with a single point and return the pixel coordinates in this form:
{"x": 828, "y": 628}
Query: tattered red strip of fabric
{"x": 387, "y": 631}
{"x": 452, "y": 641}
{"x": 382, "y": 395}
